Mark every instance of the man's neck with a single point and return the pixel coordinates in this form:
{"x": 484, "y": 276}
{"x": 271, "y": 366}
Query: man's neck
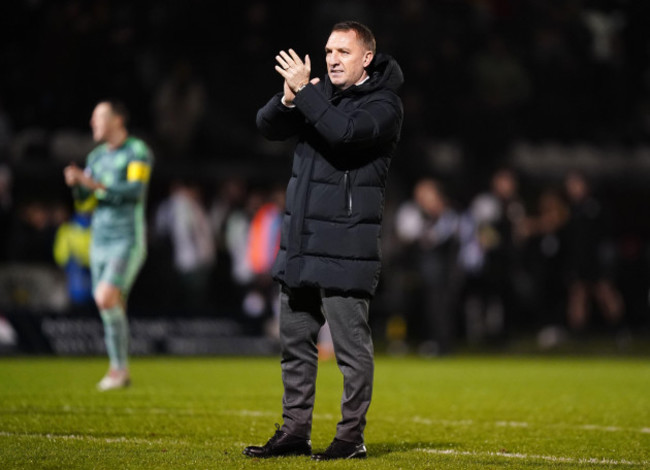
{"x": 365, "y": 77}
{"x": 116, "y": 141}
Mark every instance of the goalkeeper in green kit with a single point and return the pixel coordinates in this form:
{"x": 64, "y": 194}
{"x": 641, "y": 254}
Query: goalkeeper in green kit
{"x": 115, "y": 180}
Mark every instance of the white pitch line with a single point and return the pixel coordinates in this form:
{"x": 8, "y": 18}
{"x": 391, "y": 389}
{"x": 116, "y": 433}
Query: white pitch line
{"x": 595, "y": 427}
{"x": 450, "y": 422}
{"x": 246, "y": 413}
{"x": 520, "y": 456}
{"x": 78, "y": 437}
{"x": 159, "y": 411}
{"x": 329, "y": 416}
{"x": 546, "y": 458}
{"x": 523, "y": 424}
{"x": 511, "y": 424}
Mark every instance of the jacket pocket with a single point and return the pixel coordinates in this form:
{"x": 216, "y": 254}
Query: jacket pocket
{"x": 348, "y": 193}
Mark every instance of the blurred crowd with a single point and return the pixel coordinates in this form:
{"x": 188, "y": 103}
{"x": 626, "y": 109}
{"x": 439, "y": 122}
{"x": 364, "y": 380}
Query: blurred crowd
{"x": 476, "y": 247}
{"x": 499, "y": 265}
{"x": 481, "y": 273}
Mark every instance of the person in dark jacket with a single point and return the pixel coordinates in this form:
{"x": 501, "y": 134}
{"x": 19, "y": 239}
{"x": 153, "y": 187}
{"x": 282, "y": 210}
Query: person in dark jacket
{"x": 347, "y": 126}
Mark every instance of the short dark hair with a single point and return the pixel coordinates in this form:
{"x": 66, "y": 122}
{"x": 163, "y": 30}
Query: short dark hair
{"x": 364, "y": 33}
{"x": 118, "y": 108}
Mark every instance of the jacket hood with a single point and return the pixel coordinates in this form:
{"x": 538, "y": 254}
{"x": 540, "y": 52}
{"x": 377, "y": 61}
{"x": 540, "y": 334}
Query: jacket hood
{"x": 384, "y": 72}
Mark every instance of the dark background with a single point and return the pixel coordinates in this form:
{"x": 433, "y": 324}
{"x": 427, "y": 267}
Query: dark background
{"x": 540, "y": 86}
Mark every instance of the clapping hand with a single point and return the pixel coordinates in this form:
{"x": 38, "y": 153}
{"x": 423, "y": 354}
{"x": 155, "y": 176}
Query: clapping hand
{"x": 294, "y": 71}
{"x": 76, "y": 176}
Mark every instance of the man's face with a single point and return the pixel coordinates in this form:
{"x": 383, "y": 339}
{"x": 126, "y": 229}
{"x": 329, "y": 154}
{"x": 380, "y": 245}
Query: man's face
{"x": 103, "y": 122}
{"x": 428, "y": 197}
{"x": 576, "y": 187}
{"x": 505, "y": 185}
{"x": 346, "y": 59}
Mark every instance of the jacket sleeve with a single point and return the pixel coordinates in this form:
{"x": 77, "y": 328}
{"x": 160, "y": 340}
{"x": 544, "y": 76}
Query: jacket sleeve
{"x": 276, "y": 121}
{"x": 378, "y": 120}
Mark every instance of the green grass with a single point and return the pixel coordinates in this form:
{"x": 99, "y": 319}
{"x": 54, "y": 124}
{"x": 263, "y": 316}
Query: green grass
{"x": 458, "y": 413}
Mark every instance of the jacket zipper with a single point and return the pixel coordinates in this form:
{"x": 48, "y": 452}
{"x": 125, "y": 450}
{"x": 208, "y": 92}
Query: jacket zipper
{"x": 348, "y": 193}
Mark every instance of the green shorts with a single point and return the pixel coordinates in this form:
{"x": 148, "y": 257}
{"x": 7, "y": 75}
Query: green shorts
{"x": 117, "y": 264}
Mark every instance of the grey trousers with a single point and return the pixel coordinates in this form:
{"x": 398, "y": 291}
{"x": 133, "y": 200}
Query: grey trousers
{"x": 302, "y": 313}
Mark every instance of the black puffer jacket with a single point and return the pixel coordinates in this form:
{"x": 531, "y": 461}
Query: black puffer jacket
{"x": 335, "y": 197}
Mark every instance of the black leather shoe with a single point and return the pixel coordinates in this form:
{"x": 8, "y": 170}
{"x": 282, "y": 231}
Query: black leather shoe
{"x": 281, "y": 444}
{"x": 342, "y": 450}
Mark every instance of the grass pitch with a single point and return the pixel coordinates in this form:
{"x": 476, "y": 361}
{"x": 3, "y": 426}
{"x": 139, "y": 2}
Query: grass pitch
{"x": 458, "y": 413}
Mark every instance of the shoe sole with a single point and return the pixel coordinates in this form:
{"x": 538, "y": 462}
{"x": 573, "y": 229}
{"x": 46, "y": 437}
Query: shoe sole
{"x": 288, "y": 454}
{"x": 126, "y": 384}
{"x": 355, "y": 455}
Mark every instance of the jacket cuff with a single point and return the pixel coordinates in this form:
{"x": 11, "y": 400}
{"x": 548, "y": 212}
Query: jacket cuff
{"x": 279, "y": 104}
{"x": 311, "y": 103}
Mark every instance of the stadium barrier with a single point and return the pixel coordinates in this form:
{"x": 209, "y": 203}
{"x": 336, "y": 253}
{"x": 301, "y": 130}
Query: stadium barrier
{"x": 83, "y": 335}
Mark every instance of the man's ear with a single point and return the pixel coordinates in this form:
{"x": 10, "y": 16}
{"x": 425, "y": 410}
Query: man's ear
{"x": 118, "y": 121}
{"x": 368, "y": 58}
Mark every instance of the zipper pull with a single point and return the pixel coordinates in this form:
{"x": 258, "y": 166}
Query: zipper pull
{"x": 348, "y": 193}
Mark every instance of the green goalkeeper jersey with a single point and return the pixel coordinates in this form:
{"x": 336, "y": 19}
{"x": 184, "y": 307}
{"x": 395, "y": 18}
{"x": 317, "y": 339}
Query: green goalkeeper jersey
{"x": 118, "y": 216}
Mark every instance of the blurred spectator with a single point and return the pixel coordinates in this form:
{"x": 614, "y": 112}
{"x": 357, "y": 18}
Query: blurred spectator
{"x": 263, "y": 242}
{"x": 6, "y": 210}
{"x": 236, "y": 236}
{"x": 545, "y": 259}
{"x": 72, "y": 253}
{"x": 236, "y": 232}
{"x": 231, "y": 197}
{"x": 179, "y": 106}
{"x": 491, "y": 291}
{"x": 263, "y": 238}
{"x": 589, "y": 265}
{"x": 428, "y": 226}
{"x": 33, "y": 235}
{"x": 6, "y": 132}
{"x": 184, "y": 220}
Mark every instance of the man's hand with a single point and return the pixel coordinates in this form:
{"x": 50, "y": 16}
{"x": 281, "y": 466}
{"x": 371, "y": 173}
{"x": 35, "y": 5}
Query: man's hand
{"x": 291, "y": 67}
{"x": 295, "y": 73}
{"x": 72, "y": 173}
{"x": 76, "y": 176}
